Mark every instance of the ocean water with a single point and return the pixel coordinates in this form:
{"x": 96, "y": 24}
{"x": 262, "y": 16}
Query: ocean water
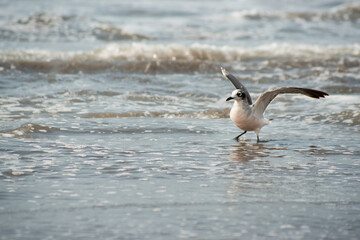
{"x": 114, "y": 123}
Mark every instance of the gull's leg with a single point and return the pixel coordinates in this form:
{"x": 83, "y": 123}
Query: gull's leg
{"x": 257, "y": 135}
{"x": 237, "y": 137}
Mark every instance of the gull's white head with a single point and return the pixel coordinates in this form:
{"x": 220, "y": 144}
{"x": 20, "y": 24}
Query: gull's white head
{"x": 237, "y": 95}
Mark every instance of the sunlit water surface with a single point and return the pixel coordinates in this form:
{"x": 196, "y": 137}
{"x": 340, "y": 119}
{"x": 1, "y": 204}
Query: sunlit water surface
{"x": 114, "y": 123}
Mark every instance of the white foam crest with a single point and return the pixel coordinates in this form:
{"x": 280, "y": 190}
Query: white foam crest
{"x": 195, "y": 52}
{"x": 35, "y": 55}
{"x": 346, "y": 12}
{"x": 352, "y": 101}
{"x": 141, "y": 52}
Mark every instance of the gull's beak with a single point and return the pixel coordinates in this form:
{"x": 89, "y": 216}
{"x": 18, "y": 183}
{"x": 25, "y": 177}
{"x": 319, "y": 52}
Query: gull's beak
{"x": 229, "y": 98}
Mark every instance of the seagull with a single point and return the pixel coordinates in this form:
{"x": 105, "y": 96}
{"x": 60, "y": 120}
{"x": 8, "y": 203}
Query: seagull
{"x": 248, "y": 116}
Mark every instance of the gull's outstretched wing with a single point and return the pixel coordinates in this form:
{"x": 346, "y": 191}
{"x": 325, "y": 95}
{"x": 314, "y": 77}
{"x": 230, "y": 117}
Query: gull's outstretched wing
{"x": 237, "y": 84}
{"x": 265, "y": 99}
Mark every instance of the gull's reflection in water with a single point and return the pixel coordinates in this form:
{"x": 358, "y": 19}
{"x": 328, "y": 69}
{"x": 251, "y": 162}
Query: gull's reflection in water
{"x": 244, "y": 152}
{"x": 249, "y": 169}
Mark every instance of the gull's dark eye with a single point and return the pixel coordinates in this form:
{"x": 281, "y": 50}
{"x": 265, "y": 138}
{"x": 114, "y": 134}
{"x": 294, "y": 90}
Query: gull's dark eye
{"x": 239, "y": 94}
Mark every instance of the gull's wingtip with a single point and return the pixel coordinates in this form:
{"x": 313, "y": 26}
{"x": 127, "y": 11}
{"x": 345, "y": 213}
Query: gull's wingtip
{"x": 316, "y": 93}
{"x": 224, "y": 72}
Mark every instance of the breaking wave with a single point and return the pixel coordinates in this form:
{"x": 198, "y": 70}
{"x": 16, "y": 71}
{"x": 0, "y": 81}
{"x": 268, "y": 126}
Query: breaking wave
{"x": 350, "y": 12}
{"x": 44, "y": 26}
{"x": 207, "y": 114}
{"x": 110, "y": 33}
{"x": 148, "y": 58}
{"x": 349, "y": 117}
{"x": 26, "y": 129}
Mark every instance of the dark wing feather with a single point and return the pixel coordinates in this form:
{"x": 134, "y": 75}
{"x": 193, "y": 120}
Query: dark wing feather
{"x": 265, "y": 99}
{"x": 237, "y": 84}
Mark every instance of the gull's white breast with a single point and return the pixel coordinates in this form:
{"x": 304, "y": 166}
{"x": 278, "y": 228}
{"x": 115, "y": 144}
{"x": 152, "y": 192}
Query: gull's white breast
{"x": 243, "y": 117}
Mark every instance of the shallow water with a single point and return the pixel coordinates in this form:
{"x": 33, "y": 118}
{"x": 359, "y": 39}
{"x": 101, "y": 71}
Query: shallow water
{"x": 114, "y": 123}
